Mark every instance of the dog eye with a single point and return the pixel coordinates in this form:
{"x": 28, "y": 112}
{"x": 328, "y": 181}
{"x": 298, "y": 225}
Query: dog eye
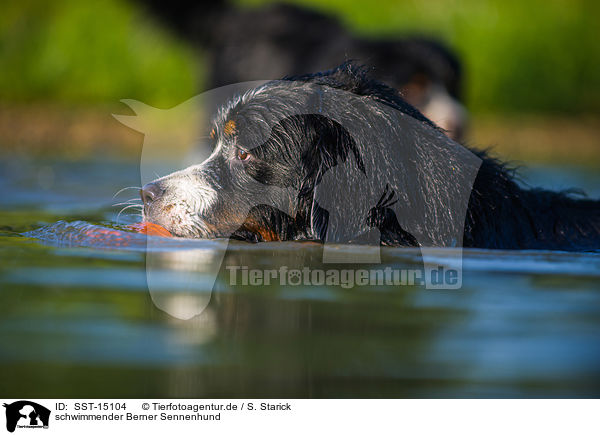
{"x": 242, "y": 155}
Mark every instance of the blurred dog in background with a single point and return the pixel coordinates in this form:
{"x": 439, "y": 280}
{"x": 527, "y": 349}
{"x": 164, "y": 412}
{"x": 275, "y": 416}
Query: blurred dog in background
{"x": 280, "y": 40}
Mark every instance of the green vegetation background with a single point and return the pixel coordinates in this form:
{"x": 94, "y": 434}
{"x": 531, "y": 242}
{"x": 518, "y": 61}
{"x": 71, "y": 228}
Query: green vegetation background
{"x": 533, "y": 56}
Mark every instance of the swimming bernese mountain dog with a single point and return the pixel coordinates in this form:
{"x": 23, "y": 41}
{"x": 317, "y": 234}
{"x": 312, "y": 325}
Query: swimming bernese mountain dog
{"x": 339, "y": 156}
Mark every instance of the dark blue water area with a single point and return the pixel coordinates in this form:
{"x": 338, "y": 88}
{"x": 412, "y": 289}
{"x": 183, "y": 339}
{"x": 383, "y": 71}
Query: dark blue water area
{"x": 92, "y": 309}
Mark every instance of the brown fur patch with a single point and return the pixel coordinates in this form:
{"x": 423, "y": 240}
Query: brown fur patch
{"x": 267, "y": 234}
{"x": 230, "y": 126}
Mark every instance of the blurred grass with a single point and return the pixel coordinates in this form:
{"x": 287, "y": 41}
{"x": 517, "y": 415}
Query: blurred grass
{"x": 89, "y": 52}
{"x": 520, "y": 56}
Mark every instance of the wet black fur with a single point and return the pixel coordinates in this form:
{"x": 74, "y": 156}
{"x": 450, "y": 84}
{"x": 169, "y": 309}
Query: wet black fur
{"x": 501, "y": 214}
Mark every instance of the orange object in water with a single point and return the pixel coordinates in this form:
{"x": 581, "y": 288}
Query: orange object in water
{"x": 151, "y": 229}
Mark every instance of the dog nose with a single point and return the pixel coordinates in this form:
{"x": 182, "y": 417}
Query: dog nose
{"x": 150, "y": 193}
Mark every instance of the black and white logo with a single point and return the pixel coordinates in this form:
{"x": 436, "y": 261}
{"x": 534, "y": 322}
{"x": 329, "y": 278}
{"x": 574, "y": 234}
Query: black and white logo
{"x": 25, "y": 414}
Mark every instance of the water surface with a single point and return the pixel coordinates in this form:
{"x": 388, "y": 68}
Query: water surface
{"x": 78, "y": 319}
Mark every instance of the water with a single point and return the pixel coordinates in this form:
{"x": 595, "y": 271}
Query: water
{"x": 78, "y": 319}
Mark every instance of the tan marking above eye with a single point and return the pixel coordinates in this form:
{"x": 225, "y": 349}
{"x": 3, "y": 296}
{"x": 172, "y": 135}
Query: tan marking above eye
{"x": 229, "y": 128}
{"x": 213, "y": 133}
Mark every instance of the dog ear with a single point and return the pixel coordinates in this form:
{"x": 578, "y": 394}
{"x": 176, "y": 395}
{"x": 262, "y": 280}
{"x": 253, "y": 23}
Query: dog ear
{"x": 334, "y": 145}
{"x": 334, "y": 151}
